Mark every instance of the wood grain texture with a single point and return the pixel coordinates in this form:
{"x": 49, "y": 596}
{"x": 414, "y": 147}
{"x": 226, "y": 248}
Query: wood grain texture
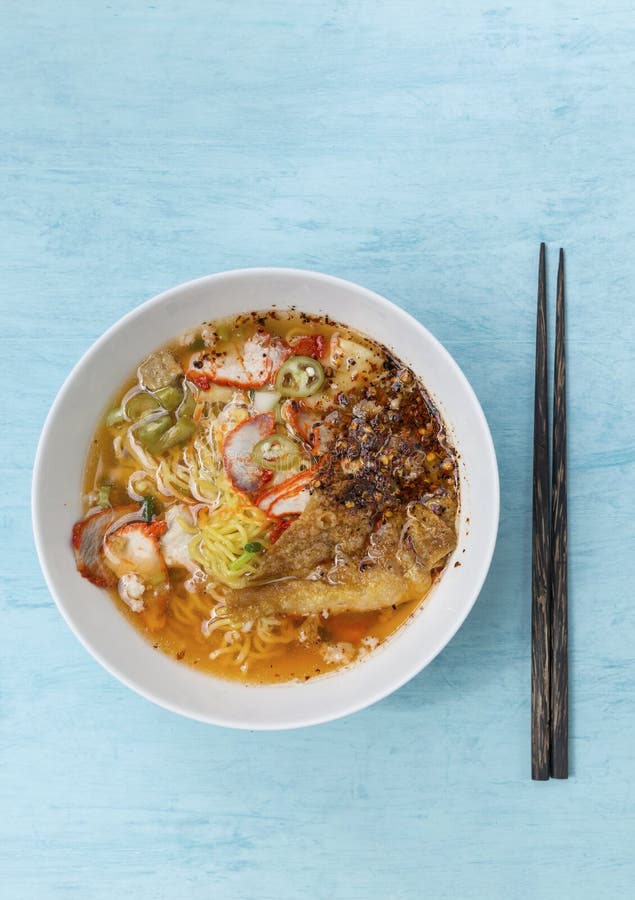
{"x": 541, "y": 548}
{"x": 424, "y": 151}
{"x": 559, "y": 596}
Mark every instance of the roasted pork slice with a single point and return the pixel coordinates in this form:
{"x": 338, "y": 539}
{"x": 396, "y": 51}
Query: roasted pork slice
{"x": 88, "y": 542}
{"x": 134, "y": 554}
{"x": 135, "y": 548}
{"x": 251, "y": 366}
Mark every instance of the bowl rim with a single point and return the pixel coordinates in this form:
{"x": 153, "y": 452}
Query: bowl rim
{"x": 299, "y": 721}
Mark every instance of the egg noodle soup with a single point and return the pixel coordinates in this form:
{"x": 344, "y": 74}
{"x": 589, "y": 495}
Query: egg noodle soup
{"x": 269, "y": 497}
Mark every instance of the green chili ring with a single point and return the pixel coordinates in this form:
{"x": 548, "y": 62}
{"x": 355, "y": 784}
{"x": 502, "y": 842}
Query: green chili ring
{"x": 300, "y": 376}
{"x": 277, "y": 453}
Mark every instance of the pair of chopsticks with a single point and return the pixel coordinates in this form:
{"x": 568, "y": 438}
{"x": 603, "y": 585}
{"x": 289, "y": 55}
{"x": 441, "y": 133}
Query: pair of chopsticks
{"x": 549, "y": 652}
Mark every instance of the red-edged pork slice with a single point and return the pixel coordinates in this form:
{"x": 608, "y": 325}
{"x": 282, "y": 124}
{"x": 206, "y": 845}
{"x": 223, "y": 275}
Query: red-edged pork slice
{"x": 299, "y": 418}
{"x": 243, "y": 472}
{"x": 290, "y": 504}
{"x": 134, "y": 554}
{"x": 135, "y": 549}
{"x": 305, "y": 422}
{"x": 290, "y": 497}
{"x": 321, "y": 438}
{"x": 313, "y": 345}
{"x": 88, "y": 540}
{"x": 278, "y": 352}
{"x": 250, "y": 365}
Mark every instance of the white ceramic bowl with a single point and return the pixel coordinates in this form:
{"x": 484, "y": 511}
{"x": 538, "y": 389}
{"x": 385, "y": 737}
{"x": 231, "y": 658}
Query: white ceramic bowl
{"x": 106, "y": 633}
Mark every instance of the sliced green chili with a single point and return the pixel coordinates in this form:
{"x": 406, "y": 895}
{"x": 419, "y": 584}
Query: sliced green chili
{"x": 300, "y": 376}
{"x": 277, "y": 453}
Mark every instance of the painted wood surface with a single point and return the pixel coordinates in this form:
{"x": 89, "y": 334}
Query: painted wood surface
{"x": 423, "y": 150}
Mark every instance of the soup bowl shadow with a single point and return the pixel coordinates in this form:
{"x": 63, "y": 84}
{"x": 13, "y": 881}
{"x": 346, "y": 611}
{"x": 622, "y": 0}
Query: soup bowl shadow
{"x": 96, "y": 621}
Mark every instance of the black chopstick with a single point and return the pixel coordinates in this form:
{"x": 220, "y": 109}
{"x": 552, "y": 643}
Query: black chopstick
{"x": 540, "y": 612}
{"x": 559, "y": 611}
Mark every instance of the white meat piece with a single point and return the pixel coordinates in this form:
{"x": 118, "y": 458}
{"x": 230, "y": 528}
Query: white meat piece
{"x": 134, "y": 549}
{"x": 176, "y": 540}
{"x": 131, "y": 590}
{"x": 265, "y": 401}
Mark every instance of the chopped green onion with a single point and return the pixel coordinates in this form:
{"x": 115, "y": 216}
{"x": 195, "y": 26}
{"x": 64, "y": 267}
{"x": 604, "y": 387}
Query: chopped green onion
{"x": 103, "y": 495}
{"x": 178, "y": 433}
{"x": 277, "y": 453}
{"x": 148, "y": 509}
{"x": 114, "y": 417}
{"x": 196, "y": 345}
{"x": 187, "y": 407}
{"x": 253, "y": 548}
{"x": 300, "y": 376}
{"x": 149, "y": 433}
{"x": 169, "y": 397}
{"x": 140, "y": 405}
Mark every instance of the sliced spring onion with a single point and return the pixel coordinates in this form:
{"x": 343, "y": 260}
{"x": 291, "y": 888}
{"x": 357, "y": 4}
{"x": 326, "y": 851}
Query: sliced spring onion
{"x": 169, "y": 397}
{"x": 114, "y": 417}
{"x": 148, "y": 508}
{"x": 149, "y": 433}
{"x": 103, "y": 495}
{"x": 253, "y": 548}
{"x": 196, "y": 345}
{"x": 140, "y": 405}
{"x": 187, "y": 407}
{"x": 300, "y": 376}
{"x": 181, "y": 431}
{"x": 277, "y": 453}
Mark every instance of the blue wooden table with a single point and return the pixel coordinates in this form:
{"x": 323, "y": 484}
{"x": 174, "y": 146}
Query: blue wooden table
{"x": 423, "y": 152}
